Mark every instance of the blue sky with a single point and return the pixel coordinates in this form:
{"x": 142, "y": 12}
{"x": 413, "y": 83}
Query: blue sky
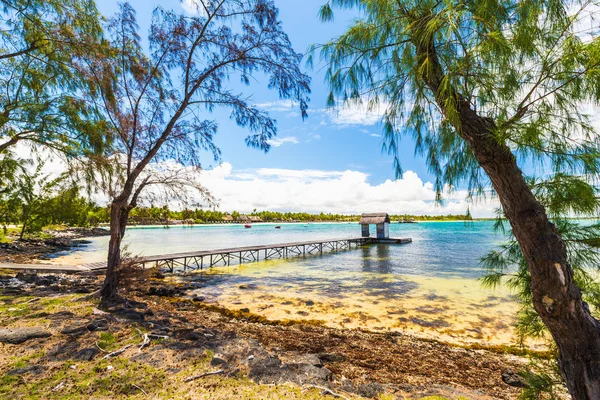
{"x": 318, "y": 150}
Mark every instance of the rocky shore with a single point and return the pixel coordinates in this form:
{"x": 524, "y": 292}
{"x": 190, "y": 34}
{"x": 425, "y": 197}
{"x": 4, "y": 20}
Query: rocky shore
{"x": 162, "y": 343}
{"x": 26, "y": 251}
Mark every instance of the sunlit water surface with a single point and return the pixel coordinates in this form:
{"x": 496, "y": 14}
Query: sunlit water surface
{"x": 429, "y": 288}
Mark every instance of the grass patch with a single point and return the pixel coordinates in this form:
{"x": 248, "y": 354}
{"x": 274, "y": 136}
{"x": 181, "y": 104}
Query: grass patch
{"x": 20, "y": 362}
{"x": 107, "y": 341}
{"x": 129, "y": 380}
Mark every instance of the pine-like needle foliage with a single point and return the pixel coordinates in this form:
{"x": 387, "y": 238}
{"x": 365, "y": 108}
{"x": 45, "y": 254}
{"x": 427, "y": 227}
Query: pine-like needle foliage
{"x": 531, "y": 68}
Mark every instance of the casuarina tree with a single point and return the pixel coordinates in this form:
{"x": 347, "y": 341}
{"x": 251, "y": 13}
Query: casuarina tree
{"x": 159, "y": 102}
{"x": 42, "y": 43}
{"x": 493, "y": 91}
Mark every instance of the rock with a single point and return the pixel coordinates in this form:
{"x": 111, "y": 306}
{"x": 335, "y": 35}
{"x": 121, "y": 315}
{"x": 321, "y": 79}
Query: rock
{"x": 219, "y": 362}
{"x": 310, "y": 303}
{"x": 63, "y": 351}
{"x": 85, "y": 354}
{"x": 27, "y": 278}
{"x": 270, "y": 369}
{"x": 99, "y": 232}
{"x": 98, "y": 325}
{"x": 369, "y": 390}
{"x": 309, "y": 359}
{"x": 45, "y": 281}
{"x": 331, "y": 357}
{"x": 62, "y": 315}
{"x": 12, "y": 291}
{"x": 163, "y": 291}
{"x": 31, "y": 369}
{"x": 198, "y": 298}
{"x": 511, "y": 378}
{"x": 246, "y": 310}
{"x": 193, "y": 336}
{"x": 130, "y": 314}
{"x": 20, "y": 335}
{"x": 74, "y": 330}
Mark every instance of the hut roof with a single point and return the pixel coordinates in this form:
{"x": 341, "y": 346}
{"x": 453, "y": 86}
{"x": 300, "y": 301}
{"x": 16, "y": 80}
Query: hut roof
{"x": 374, "y": 218}
{"x": 254, "y": 218}
{"x": 227, "y": 218}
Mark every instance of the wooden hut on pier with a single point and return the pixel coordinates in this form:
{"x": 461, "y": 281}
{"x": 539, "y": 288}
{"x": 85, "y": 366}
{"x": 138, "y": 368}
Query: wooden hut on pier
{"x": 380, "y": 220}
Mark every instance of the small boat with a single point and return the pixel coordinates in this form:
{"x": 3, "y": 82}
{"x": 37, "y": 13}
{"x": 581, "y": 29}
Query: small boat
{"x": 247, "y": 226}
{"x": 305, "y": 224}
{"x": 278, "y": 227}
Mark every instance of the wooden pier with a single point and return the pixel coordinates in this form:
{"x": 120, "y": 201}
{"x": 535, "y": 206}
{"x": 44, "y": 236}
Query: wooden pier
{"x": 198, "y": 260}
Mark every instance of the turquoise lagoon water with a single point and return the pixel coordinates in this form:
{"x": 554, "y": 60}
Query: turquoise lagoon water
{"x": 428, "y": 288}
{"x": 438, "y": 248}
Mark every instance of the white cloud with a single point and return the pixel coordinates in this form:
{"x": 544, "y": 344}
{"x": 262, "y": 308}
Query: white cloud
{"x": 193, "y": 7}
{"x": 280, "y": 141}
{"x": 279, "y": 105}
{"x": 329, "y": 191}
{"x": 357, "y": 113}
{"x": 283, "y": 174}
{"x": 375, "y": 135}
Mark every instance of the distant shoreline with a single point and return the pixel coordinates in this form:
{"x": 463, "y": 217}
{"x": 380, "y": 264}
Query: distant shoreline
{"x": 146, "y": 226}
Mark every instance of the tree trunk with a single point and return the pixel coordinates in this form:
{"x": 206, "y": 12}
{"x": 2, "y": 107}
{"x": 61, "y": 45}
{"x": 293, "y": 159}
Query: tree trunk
{"x": 556, "y": 297}
{"x": 25, "y": 218}
{"x": 119, "y": 212}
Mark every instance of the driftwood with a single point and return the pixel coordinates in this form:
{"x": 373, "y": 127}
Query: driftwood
{"x": 145, "y": 343}
{"x": 116, "y": 353}
{"x": 139, "y": 388}
{"x": 100, "y": 348}
{"x": 148, "y": 337}
{"x": 193, "y": 378}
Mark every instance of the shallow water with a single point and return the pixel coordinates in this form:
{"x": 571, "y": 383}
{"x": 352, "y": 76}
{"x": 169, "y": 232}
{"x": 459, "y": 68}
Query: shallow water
{"x": 428, "y": 288}
{"x": 446, "y": 248}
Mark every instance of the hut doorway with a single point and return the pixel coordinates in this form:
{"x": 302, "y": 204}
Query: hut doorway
{"x": 380, "y": 220}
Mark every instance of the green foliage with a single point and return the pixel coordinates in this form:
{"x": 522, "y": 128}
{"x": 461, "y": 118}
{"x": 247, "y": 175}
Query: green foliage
{"x": 152, "y": 215}
{"x": 35, "y": 200}
{"x": 42, "y": 44}
{"x": 30, "y": 197}
{"x": 525, "y": 65}
{"x": 508, "y": 266}
{"x": 543, "y": 381}
{"x": 528, "y": 70}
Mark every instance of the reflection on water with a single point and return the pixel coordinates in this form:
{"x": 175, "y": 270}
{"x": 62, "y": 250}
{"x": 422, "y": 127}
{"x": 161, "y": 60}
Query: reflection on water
{"x": 379, "y": 262}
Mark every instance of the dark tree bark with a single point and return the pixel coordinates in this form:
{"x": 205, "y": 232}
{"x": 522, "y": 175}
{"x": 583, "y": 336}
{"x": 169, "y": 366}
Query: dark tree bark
{"x": 119, "y": 213}
{"x": 556, "y": 297}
